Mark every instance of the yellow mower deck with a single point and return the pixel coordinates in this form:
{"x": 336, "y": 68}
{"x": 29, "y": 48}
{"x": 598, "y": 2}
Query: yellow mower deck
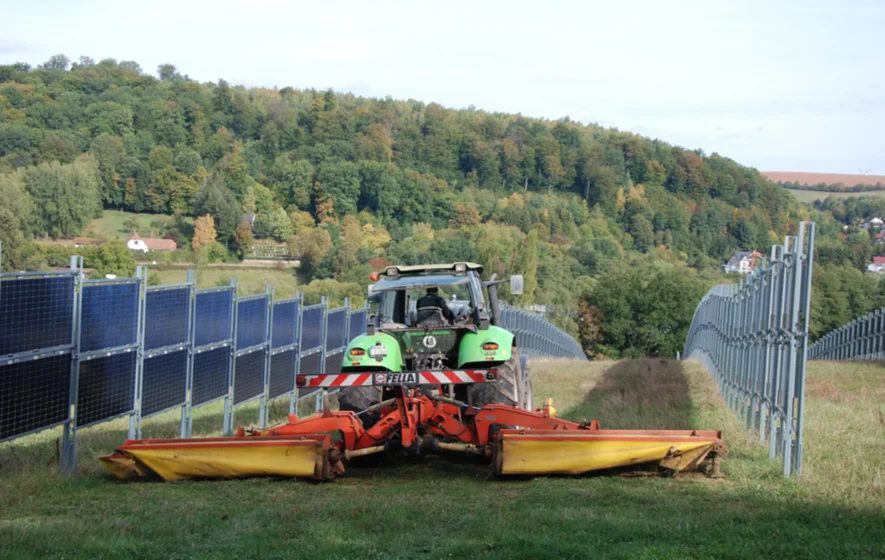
{"x": 535, "y": 452}
{"x": 178, "y": 459}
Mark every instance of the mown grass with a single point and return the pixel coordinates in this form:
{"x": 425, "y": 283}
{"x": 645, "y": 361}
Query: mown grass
{"x": 441, "y": 508}
{"x": 110, "y": 225}
{"x": 251, "y": 280}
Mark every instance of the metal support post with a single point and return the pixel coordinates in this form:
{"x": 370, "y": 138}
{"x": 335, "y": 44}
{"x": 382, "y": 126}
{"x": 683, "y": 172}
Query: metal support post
{"x": 321, "y": 393}
{"x": 805, "y": 306}
{"x": 263, "y": 402}
{"x": 293, "y": 396}
{"x": 228, "y": 422}
{"x": 135, "y": 417}
{"x": 68, "y": 455}
{"x": 187, "y": 409}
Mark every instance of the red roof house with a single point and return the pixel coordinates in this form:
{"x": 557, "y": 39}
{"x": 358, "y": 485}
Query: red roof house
{"x": 136, "y": 243}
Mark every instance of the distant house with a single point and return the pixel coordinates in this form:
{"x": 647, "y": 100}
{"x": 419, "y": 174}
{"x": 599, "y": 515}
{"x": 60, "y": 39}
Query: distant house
{"x": 878, "y": 265}
{"x": 136, "y": 243}
{"x": 742, "y": 261}
{"x": 249, "y": 219}
{"x": 879, "y": 237}
{"x": 875, "y": 223}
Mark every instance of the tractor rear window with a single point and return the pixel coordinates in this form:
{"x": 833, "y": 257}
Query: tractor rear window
{"x": 393, "y": 303}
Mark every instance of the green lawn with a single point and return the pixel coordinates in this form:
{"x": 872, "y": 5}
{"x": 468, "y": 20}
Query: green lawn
{"x": 440, "y": 508}
{"x": 252, "y": 281}
{"x": 110, "y": 225}
{"x": 811, "y": 196}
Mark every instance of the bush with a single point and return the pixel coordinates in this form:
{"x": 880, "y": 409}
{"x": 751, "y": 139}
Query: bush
{"x": 334, "y": 290}
{"x": 216, "y": 252}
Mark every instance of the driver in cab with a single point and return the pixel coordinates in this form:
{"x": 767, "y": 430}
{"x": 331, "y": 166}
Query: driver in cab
{"x": 433, "y": 299}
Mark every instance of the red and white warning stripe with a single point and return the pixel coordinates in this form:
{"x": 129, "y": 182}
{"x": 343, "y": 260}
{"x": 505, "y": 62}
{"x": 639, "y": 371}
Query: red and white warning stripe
{"x": 330, "y": 380}
{"x": 335, "y": 380}
{"x": 455, "y": 376}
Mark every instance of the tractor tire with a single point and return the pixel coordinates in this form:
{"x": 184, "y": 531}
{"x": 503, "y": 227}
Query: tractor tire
{"x": 508, "y": 389}
{"x": 359, "y": 399}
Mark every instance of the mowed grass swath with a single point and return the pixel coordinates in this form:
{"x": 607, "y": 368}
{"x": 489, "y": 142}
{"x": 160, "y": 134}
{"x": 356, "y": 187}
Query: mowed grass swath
{"x": 433, "y": 508}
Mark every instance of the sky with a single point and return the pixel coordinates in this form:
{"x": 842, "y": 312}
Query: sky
{"x": 778, "y": 85}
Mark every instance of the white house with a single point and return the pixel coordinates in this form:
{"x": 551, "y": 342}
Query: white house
{"x": 136, "y": 243}
{"x": 878, "y": 265}
{"x": 742, "y": 261}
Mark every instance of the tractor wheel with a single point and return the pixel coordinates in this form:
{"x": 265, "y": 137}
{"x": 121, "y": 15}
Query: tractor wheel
{"x": 506, "y": 390}
{"x": 358, "y": 399}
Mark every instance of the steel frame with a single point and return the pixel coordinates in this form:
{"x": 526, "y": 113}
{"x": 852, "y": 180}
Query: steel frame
{"x": 753, "y": 338}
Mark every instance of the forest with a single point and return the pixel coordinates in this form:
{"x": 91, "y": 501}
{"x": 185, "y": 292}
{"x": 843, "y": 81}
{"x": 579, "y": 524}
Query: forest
{"x": 351, "y": 184}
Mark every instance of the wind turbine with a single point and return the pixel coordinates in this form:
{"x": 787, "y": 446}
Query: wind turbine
{"x": 862, "y": 172}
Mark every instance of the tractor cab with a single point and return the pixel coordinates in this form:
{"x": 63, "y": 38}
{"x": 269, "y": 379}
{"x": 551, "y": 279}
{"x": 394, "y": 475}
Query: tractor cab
{"x": 431, "y": 317}
{"x": 428, "y": 310}
{"x": 459, "y": 296}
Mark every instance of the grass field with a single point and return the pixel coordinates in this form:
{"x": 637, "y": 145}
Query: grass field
{"x": 110, "y": 225}
{"x": 811, "y": 196}
{"x": 252, "y": 281}
{"x": 438, "y": 508}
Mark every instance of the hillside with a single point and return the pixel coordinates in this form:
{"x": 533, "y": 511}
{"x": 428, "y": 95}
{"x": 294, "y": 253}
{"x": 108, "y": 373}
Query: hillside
{"x": 351, "y": 183}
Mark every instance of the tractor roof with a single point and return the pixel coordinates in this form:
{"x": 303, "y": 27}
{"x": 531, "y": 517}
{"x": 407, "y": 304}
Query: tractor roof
{"x": 423, "y": 268}
{"x": 387, "y": 284}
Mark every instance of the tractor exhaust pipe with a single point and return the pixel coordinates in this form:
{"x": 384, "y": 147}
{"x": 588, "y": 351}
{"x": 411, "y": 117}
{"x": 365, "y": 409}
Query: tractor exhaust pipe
{"x": 494, "y": 306}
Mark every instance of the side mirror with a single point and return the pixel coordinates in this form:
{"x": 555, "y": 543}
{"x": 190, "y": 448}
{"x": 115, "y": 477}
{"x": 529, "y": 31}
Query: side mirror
{"x": 516, "y": 283}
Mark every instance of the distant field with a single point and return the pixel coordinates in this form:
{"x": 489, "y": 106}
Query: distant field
{"x": 800, "y": 178}
{"x": 439, "y": 507}
{"x": 252, "y": 281}
{"x": 110, "y": 225}
{"x": 811, "y": 196}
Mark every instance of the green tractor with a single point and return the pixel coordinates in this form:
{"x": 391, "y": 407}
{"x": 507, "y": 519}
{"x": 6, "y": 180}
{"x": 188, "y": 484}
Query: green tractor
{"x": 435, "y": 318}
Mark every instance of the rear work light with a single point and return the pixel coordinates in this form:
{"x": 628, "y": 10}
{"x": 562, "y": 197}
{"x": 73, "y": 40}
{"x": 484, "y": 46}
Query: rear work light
{"x": 357, "y": 352}
{"x": 489, "y": 346}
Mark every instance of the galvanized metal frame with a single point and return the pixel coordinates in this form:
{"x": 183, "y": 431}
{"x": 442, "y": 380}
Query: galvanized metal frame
{"x": 538, "y": 337}
{"x": 753, "y": 338}
{"x": 186, "y": 346}
{"x": 268, "y": 338}
{"x": 862, "y": 338}
{"x": 293, "y": 396}
{"x": 228, "y": 342}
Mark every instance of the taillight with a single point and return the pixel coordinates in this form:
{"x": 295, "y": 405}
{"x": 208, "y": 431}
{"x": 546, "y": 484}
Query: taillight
{"x": 489, "y": 346}
{"x": 357, "y": 352}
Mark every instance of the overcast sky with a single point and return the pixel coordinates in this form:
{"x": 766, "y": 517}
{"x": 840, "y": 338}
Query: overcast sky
{"x": 787, "y": 85}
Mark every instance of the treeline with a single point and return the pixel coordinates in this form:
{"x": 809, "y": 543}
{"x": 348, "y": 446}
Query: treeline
{"x": 349, "y": 182}
{"x": 852, "y": 210}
